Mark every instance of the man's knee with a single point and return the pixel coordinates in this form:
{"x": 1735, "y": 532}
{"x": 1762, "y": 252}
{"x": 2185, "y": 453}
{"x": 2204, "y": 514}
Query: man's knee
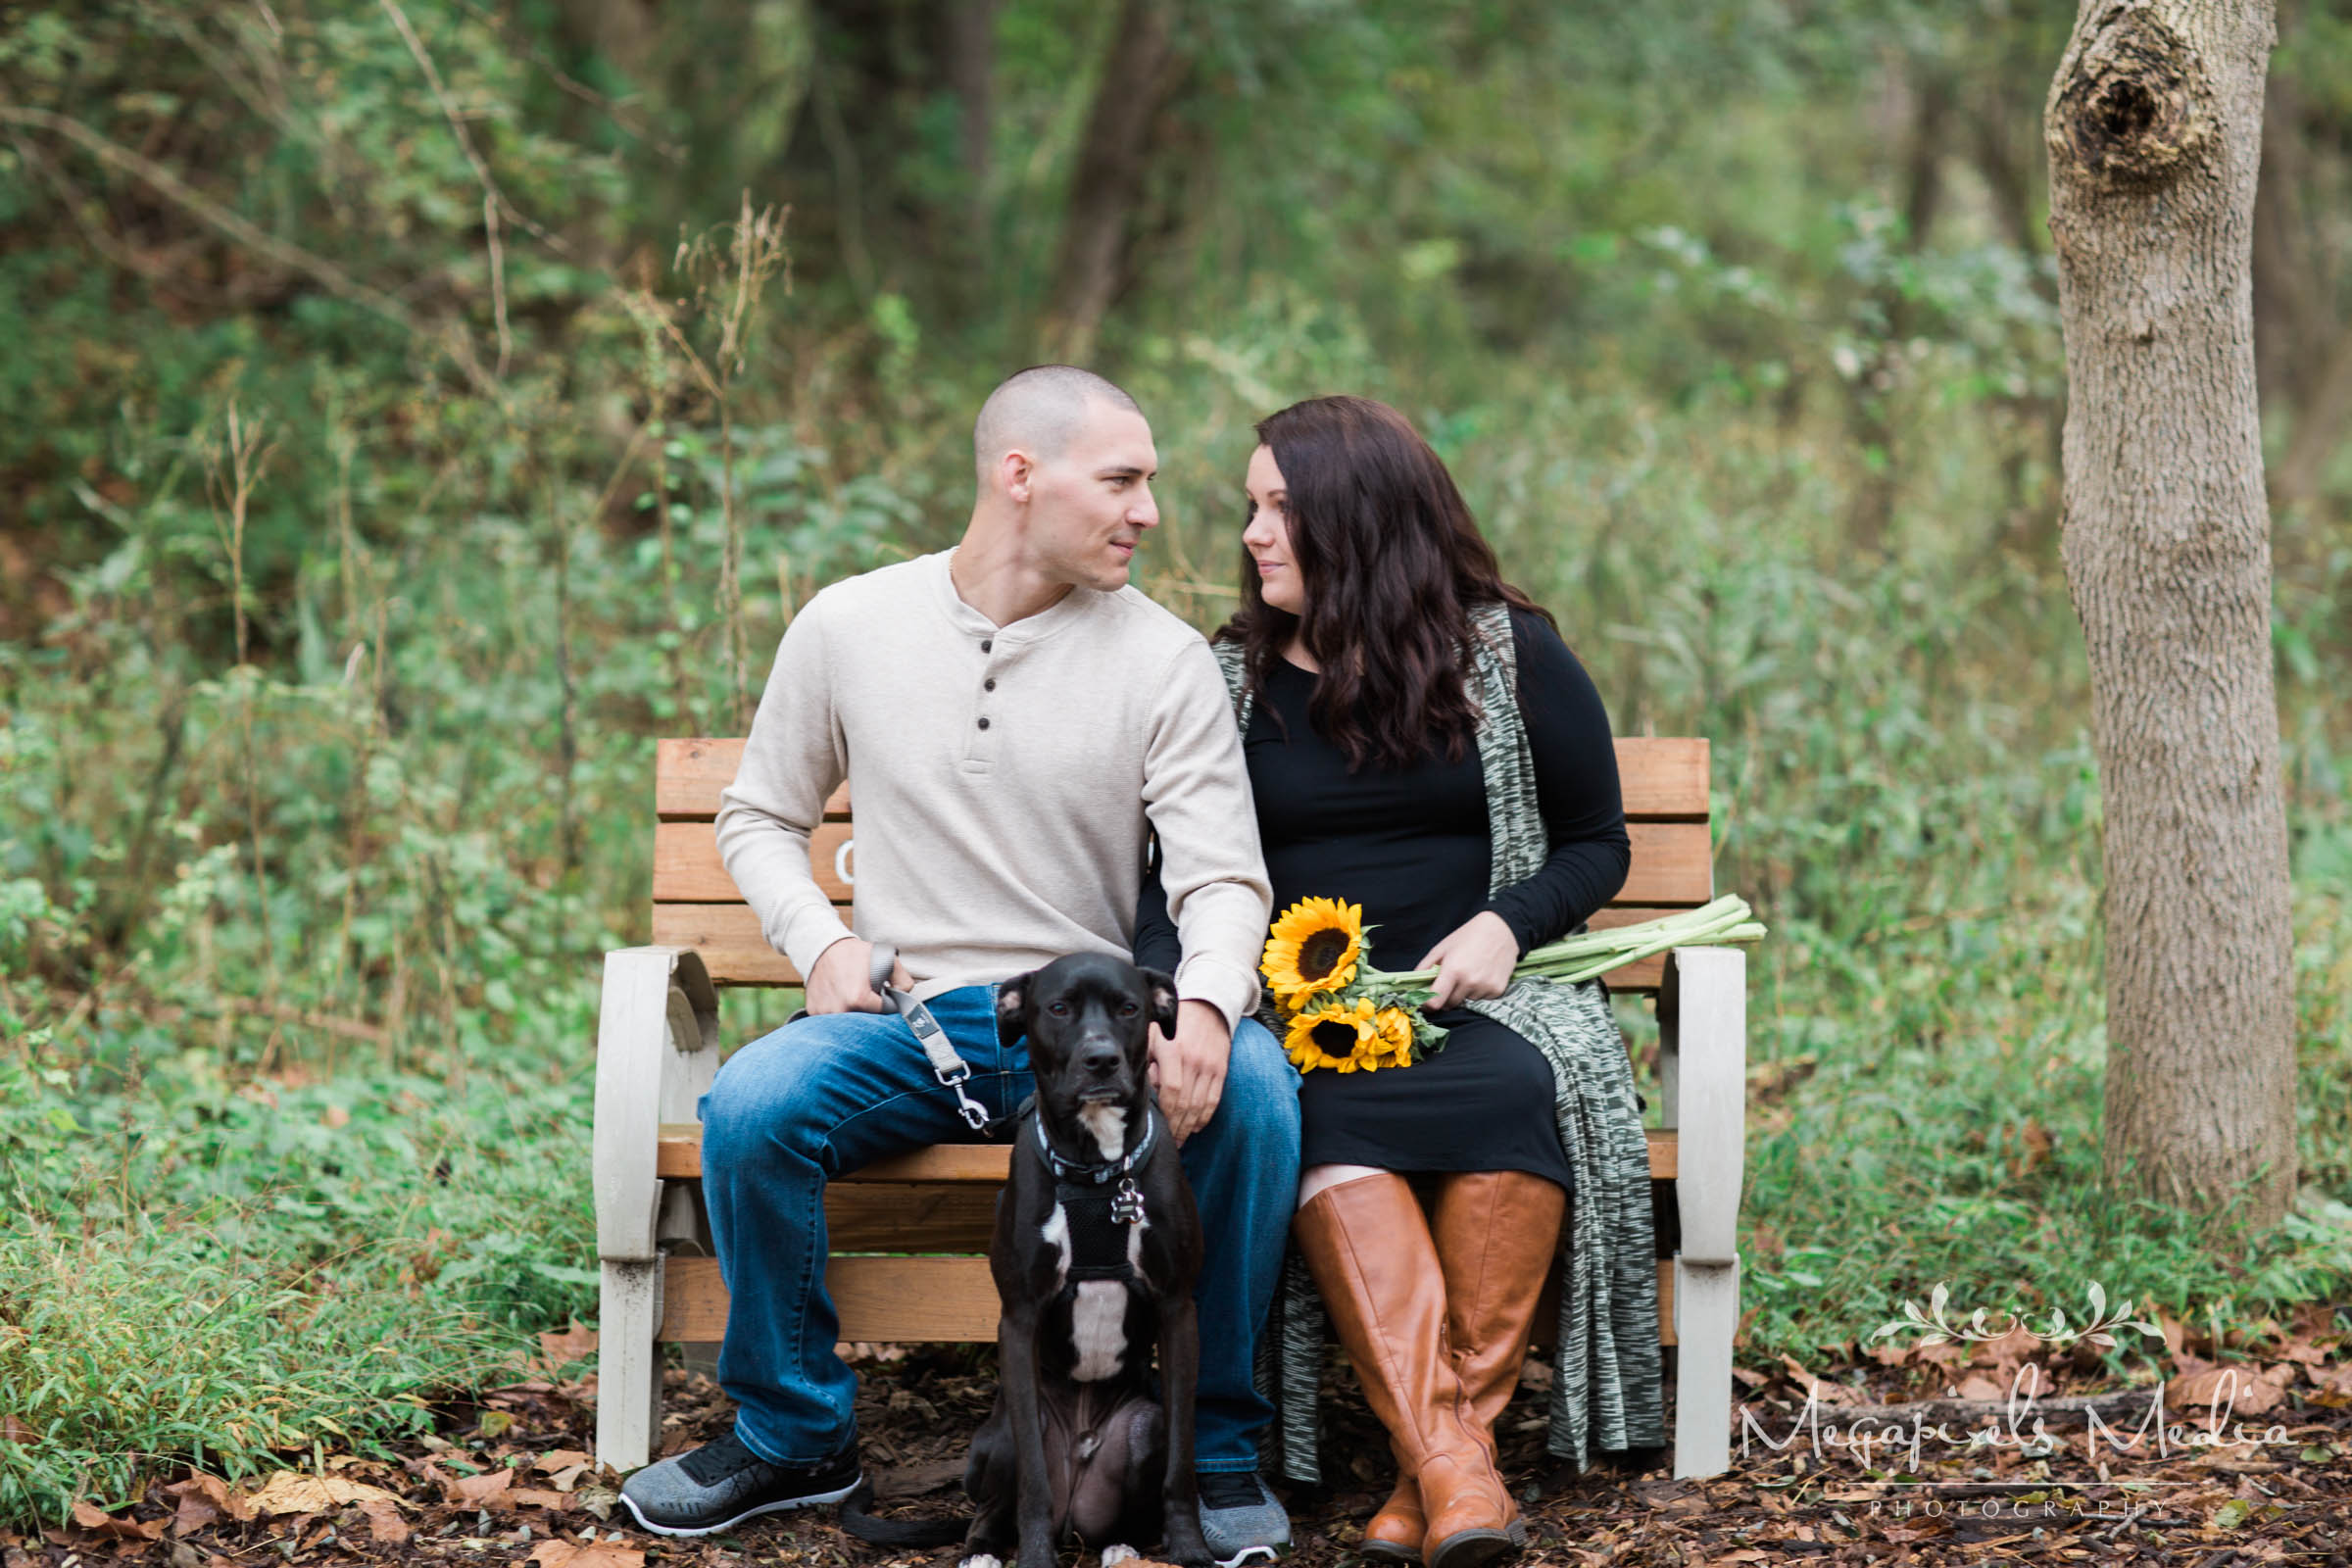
{"x": 770, "y": 1092}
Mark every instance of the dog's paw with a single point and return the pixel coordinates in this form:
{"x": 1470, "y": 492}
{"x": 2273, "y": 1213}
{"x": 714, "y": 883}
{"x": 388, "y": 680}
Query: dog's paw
{"x": 981, "y": 1559}
{"x": 1118, "y": 1552}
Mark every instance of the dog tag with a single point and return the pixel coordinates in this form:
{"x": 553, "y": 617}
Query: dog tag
{"x": 1087, "y": 1445}
{"x": 1127, "y": 1203}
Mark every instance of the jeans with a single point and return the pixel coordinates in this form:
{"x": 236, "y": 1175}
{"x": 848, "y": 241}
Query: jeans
{"x": 825, "y": 1095}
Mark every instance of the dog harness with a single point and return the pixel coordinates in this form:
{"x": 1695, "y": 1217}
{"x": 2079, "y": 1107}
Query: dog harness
{"x": 1101, "y": 1205}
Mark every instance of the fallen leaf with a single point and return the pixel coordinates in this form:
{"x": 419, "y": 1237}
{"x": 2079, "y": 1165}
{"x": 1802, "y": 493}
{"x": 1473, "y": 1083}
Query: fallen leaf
{"x": 556, "y": 1459}
{"x": 195, "y": 1511}
{"x": 535, "y": 1498}
{"x": 337, "y": 1116}
{"x": 13, "y": 1430}
{"x": 384, "y": 1523}
{"x": 1977, "y": 1386}
{"x": 913, "y": 1480}
{"x": 291, "y": 1491}
{"x": 99, "y": 1522}
{"x": 596, "y": 1555}
{"x": 575, "y": 1344}
{"x": 2225, "y": 1384}
{"x": 482, "y": 1490}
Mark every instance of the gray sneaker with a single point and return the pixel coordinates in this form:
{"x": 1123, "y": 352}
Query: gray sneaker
{"x": 721, "y": 1484}
{"x": 1239, "y": 1518}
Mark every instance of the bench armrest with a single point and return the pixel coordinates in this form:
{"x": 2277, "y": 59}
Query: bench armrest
{"x": 657, "y": 1050}
{"x": 1702, "y": 1062}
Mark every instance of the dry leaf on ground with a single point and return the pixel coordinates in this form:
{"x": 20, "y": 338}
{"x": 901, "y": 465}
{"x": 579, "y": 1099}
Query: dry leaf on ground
{"x": 99, "y": 1522}
{"x": 595, "y": 1554}
{"x": 384, "y": 1523}
{"x": 575, "y": 1344}
{"x": 292, "y": 1491}
{"x": 482, "y": 1490}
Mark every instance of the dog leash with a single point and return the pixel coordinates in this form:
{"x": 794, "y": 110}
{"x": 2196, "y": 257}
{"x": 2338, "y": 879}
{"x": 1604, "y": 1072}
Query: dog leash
{"x": 947, "y": 1066}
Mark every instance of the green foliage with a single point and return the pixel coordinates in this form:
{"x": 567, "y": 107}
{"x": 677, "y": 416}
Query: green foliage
{"x": 203, "y": 1269}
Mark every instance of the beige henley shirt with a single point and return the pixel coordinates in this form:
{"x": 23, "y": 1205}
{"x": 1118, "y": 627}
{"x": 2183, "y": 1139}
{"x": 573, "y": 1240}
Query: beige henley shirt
{"x": 1003, "y": 777}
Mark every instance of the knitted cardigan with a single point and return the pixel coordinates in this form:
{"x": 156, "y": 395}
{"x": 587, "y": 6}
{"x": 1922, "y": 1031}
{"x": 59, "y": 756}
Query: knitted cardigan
{"x": 1606, "y": 1390}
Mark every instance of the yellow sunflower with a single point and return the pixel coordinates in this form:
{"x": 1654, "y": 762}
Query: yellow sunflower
{"x": 1350, "y": 1038}
{"x": 1314, "y": 948}
{"x": 1392, "y": 1033}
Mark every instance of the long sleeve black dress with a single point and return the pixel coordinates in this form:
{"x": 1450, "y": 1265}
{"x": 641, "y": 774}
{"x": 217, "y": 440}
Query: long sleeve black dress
{"x": 1412, "y": 846}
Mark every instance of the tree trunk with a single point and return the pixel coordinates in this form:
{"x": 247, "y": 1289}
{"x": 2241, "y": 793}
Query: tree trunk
{"x": 1139, "y": 76}
{"x": 2154, "y": 127}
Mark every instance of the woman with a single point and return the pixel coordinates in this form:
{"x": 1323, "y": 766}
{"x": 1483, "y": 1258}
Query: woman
{"x": 1373, "y": 613}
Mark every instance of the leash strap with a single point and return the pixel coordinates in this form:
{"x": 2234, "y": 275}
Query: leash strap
{"x": 947, "y": 1066}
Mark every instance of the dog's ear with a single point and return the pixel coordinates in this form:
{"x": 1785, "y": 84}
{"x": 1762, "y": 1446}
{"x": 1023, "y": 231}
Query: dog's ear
{"x": 1012, "y": 1008}
{"x": 1163, "y": 1000}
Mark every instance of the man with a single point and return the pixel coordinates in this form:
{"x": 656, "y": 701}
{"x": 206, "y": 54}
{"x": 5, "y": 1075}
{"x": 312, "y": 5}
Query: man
{"x": 1013, "y": 718}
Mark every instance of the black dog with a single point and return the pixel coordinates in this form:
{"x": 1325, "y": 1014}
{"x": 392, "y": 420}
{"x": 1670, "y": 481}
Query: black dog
{"x": 1096, "y": 1252}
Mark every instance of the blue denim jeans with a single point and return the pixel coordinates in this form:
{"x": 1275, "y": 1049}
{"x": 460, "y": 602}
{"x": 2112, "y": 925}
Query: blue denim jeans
{"x": 823, "y": 1096}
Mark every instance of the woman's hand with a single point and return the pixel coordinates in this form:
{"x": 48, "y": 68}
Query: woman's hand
{"x": 1473, "y": 962}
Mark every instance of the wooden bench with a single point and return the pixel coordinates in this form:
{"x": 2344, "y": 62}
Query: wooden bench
{"x": 909, "y": 1235}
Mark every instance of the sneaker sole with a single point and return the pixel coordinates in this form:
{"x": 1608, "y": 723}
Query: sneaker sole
{"x": 811, "y": 1500}
{"x": 1250, "y": 1554}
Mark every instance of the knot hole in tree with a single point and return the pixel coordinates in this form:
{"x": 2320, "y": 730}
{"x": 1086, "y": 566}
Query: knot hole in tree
{"x": 2131, "y": 113}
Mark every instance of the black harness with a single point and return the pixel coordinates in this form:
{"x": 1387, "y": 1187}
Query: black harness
{"x": 1101, "y": 1205}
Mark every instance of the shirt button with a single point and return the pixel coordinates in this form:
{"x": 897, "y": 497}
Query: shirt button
{"x": 988, "y": 685}
{"x": 985, "y": 644}
{"x": 984, "y": 723}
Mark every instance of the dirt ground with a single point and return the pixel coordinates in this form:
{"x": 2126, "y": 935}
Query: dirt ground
{"x": 2265, "y": 1475}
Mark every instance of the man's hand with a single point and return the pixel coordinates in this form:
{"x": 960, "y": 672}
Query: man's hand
{"x": 839, "y": 982}
{"x": 1189, "y": 1072}
{"x": 1473, "y": 962}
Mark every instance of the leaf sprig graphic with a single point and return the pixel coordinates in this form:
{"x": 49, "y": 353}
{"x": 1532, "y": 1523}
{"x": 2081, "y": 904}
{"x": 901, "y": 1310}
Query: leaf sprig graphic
{"x": 2099, "y": 1328}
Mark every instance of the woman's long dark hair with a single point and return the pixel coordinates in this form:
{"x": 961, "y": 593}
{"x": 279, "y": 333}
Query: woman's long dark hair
{"x": 1391, "y": 563}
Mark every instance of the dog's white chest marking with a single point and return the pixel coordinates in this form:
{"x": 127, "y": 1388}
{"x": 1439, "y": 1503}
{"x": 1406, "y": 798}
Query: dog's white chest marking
{"x": 1099, "y": 1329}
{"x": 1056, "y": 1233}
{"x": 980, "y": 1559}
{"x": 1118, "y": 1552}
{"x": 1108, "y": 1124}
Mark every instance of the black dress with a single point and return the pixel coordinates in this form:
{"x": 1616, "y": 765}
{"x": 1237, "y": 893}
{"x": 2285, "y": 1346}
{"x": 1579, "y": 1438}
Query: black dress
{"x": 1412, "y": 846}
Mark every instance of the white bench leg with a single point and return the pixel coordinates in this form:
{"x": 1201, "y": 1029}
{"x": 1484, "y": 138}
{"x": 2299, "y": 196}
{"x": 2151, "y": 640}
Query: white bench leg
{"x": 655, "y": 1051}
{"x": 1702, "y": 1021}
{"x": 628, "y": 1377}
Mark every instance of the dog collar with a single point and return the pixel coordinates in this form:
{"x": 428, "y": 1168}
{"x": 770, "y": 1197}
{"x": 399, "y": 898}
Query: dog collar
{"x": 1099, "y": 1171}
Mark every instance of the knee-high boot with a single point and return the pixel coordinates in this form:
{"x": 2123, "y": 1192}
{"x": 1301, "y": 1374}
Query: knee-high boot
{"x": 1496, "y": 1235}
{"x": 1373, "y": 1257}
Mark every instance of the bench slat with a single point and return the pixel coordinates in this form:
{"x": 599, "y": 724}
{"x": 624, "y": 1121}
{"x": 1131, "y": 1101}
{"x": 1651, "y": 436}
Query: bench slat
{"x": 679, "y": 1157}
{"x": 736, "y": 952}
{"x": 687, "y": 868}
{"x": 922, "y": 1299}
{"x": 1663, "y": 778}
{"x": 1673, "y": 864}
{"x": 881, "y": 1299}
{"x": 689, "y": 774}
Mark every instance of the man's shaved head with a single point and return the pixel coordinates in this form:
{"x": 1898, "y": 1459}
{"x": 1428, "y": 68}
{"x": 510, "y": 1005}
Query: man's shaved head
{"x": 1039, "y": 410}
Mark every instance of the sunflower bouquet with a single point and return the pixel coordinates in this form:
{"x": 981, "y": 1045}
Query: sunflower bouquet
{"x": 1340, "y": 1012}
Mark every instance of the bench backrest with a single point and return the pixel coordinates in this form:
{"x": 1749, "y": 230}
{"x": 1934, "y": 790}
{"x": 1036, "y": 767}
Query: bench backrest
{"x": 696, "y": 904}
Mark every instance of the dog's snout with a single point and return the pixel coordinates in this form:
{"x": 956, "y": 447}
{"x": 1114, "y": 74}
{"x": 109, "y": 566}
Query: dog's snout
{"x": 1099, "y": 1058}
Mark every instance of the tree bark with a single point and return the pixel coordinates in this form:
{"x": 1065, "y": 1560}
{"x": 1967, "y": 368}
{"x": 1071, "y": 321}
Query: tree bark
{"x": 1139, "y": 76}
{"x": 2154, "y": 129}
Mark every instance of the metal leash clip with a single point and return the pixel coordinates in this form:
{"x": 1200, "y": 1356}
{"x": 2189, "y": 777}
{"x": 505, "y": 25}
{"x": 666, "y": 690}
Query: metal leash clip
{"x": 947, "y": 1066}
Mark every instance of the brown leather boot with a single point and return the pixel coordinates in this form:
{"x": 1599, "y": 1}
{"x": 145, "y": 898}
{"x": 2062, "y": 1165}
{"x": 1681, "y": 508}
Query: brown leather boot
{"x": 1369, "y": 1249}
{"x": 1396, "y": 1533}
{"x": 1497, "y": 1239}
{"x": 1497, "y": 1235}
